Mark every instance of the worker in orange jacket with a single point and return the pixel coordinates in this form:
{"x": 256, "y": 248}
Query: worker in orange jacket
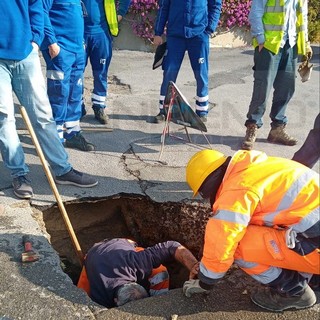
{"x": 265, "y": 219}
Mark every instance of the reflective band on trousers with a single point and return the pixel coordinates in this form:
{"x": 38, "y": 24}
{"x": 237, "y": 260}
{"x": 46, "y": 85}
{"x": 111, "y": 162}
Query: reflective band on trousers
{"x": 111, "y": 16}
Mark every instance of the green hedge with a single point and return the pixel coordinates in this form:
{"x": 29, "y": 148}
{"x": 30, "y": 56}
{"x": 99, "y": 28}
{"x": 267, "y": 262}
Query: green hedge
{"x": 314, "y": 21}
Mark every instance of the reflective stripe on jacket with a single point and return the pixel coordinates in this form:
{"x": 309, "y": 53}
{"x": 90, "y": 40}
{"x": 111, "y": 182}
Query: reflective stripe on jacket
{"x": 273, "y": 22}
{"x": 257, "y": 190}
{"x": 112, "y": 17}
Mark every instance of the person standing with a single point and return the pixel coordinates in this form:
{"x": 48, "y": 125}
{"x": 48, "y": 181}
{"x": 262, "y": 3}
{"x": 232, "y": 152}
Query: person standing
{"x": 20, "y": 72}
{"x": 100, "y": 25}
{"x": 280, "y": 33}
{"x": 63, "y": 51}
{"x": 189, "y": 26}
{"x": 265, "y": 219}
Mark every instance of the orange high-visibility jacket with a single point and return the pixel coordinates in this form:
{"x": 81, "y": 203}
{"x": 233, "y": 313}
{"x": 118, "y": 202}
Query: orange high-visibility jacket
{"x": 257, "y": 190}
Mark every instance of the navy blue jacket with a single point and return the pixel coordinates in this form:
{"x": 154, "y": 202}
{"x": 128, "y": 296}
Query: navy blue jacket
{"x": 110, "y": 264}
{"x": 21, "y": 24}
{"x": 187, "y": 18}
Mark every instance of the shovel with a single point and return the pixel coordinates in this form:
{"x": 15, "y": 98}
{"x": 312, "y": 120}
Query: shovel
{"x": 52, "y": 185}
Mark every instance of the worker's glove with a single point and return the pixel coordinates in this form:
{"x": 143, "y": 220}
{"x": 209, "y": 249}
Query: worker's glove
{"x": 191, "y": 287}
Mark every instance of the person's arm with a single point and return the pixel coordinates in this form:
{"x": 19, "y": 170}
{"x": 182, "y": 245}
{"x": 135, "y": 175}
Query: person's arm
{"x": 49, "y": 33}
{"x": 162, "y": 17}
{"x": 170, "y": 251}
{"x": 36, "y": 21}
{"x": 214, "y": 10}
{"x": 186, "y": 258}
{"x": 123, "y": 8}
{"x": 309, "y": 51}
{"x": 48, "y": 29}
{"x": 222, "y": 236}
{"x": 255, "y": 19}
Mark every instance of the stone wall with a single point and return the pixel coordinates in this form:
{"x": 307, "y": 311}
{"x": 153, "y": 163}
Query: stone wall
{"x": 127, "y": 40}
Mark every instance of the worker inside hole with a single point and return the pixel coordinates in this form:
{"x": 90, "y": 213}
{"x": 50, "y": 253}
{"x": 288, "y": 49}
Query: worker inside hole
{"x": 117, "y": 271}
{"x": 265, "y": 219}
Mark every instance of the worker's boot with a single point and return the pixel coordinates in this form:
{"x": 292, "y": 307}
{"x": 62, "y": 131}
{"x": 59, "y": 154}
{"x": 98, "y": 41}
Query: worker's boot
{"x": 279, "y": 135}
{"x": 250, "y": 137}
{"x": 271, "y": 299}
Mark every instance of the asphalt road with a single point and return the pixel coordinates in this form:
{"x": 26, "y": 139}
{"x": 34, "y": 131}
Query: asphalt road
{"x": 127, "y": 162}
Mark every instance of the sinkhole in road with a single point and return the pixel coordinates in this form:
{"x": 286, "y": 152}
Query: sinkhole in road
{"x": 127, "y": 216}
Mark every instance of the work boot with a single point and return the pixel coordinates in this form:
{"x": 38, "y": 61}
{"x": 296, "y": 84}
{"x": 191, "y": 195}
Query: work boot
{"x": 272, "y": 300}
{"x": 250, "y": 137}
{"x": 100, "y": 115}
{"x": 279, "y": 135}
{"x": 22, "y": 187}
{"x": 79, "y": 142}
{"x": 160, "y": 117}
{"x": 204, "y": 118}
{"x": 76, "y": 178}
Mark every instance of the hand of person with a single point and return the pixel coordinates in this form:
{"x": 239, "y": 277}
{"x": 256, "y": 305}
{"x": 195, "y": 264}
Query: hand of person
{"x": 119, "y": 18}
{"x": 191, "y": 287}
{"x": 54, "y": 50}
{"x": 308, "y": 54}
{"x": 194, "y": 271}
{"x": 157, "y": 40}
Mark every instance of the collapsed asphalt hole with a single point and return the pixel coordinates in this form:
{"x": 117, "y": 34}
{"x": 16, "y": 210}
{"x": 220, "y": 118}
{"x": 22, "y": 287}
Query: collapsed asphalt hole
{"x": 127, "y": 216}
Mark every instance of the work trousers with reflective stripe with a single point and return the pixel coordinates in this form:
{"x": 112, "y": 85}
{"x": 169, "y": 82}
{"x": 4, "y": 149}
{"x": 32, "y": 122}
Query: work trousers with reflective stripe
{"x": 99, "y": 51}
{"x": 198, "y": 52}
{"x": 263, "y": 253}
{"x": 65, "y": 86}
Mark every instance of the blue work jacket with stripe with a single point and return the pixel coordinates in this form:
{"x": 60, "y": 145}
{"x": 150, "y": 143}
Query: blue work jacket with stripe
{"x": 187, "y": 18}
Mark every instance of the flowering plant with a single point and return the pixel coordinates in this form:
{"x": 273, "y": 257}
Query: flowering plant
{"x": 234, "y": 13}
{"x": 144, "y": 15}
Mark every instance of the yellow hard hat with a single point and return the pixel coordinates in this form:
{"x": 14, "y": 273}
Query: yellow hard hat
{"x": 201, "y": 165}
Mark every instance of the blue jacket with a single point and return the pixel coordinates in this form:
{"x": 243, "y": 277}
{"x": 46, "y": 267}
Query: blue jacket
{"x": 63, "y": 24}
{"x": 21, "y": 24}
{"x": 187, "y": 18}
{"x": 96, "y": 21}
{"x": 110, "y": 264}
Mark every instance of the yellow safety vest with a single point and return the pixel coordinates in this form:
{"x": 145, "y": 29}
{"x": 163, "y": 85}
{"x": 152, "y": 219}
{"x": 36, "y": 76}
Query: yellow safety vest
{"x": 273, "y": 21}
{"x": 111, "y": 16}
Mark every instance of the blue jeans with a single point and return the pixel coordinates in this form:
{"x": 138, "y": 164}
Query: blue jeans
{"x": 26, "y": 80}
{"x": 277, "y": 71}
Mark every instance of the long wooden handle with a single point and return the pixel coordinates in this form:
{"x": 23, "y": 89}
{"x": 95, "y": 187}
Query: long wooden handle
{"x": 53, "y": 186}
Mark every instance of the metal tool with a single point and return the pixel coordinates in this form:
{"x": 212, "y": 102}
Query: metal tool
{"x": 28, "y": 255}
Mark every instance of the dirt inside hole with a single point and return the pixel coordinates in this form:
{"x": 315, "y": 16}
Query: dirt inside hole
{"x": 128, "y": 216}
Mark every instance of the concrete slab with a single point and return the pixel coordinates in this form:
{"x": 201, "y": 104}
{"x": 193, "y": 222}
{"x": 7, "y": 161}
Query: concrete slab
{"x": 127, "y": 162}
